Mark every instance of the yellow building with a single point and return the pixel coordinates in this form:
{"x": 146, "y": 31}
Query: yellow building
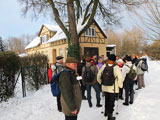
{"x": 52, "y": 42}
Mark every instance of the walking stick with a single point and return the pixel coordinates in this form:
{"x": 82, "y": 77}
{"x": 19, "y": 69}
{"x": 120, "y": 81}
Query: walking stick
{"x": 102, "y": 103}
{"x": 117, "y": 104}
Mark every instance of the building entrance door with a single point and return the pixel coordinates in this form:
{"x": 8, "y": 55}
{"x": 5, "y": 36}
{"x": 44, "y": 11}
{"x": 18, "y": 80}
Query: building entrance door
{"x": 91, "y": 51}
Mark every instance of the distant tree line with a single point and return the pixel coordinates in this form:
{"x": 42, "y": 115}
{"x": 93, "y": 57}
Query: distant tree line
{"x": 128, "y": 42}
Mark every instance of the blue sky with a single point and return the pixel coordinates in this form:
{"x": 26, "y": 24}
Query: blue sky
{"x": 13, "y": 24}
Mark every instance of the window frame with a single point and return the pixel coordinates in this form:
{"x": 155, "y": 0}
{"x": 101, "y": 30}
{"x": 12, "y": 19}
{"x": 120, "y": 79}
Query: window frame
{"x": 44, "y": 38}
{"x": 89, "y": 32}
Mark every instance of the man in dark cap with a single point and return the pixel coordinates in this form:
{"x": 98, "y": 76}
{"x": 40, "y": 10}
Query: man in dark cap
{"x": 111, "y": 79}
{"x": 70, "y": 90}
{"x": 59, "y": 64}
{"x": 59, "y": 68}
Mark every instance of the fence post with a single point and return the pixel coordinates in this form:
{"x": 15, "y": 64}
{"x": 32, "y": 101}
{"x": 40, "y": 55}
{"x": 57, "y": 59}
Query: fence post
{"x": 23, "y": 82}
{"x": 36, "y": 78}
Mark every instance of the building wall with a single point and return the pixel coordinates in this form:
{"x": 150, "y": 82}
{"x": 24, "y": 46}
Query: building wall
{"x": 53, "y": 49}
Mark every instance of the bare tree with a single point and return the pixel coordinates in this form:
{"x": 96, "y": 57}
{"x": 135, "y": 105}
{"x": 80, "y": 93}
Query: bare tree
{"x": 26, "y": 39}
{"x": 77, "y": 13}
{"x": 153, "y": 50}
{"x": 16, "y": 45}
{"x": 129, "y": 42}
{"x": 148, "y": 16}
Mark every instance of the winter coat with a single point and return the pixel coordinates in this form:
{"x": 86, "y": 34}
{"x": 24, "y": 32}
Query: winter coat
{"x": 49, "y": 74}
{"x": 118, "y": 81}
{"x": 70, "y": 92}
{"x": 139, "y": 70}
{"x": 125, "y": 70}
{"x": 94, "y": 70}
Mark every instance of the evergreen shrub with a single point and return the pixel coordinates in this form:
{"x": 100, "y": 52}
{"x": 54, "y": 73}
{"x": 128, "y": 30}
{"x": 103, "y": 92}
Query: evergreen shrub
{"x": 9, "y": 66}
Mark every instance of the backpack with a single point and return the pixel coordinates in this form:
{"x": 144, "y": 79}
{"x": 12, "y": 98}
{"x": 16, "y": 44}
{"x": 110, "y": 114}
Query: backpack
{"x": 144, "y": 65}
{"x": 88, "y": 74}
{"x": 108, "y": 77}
{"x": 132, "y": 73}
{"x": 55, "y": 85}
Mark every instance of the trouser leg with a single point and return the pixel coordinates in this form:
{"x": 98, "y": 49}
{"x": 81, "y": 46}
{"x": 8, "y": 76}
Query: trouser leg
{"x": 131, "y": 92}
{"x": 97, "y": 90}
{"x": 139, "y": 81}
{"x": 59, "y": 103}
{"x": 126, "y": 94}
{"x": 143, "y": 85}
{"x": 88, "y": 87}
{"x": 111, "y": 101}
{"x": 70, "y": 117}
{"x": 106, "y": 111}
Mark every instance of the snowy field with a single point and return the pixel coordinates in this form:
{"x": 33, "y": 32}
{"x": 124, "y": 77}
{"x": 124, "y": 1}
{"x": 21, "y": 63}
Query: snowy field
{"x": 42, "y": 106}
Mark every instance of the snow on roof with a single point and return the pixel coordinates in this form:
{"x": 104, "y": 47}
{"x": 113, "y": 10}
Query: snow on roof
{"x": 58, "y": 36}
{"x": 52, "y": 27}
{"x": 34, "y": 43}
{"x": 113, "y": 45}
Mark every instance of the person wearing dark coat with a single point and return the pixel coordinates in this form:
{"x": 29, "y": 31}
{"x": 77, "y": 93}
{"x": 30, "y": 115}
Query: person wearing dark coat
{"x": 59, "y": 68}
{"x": 128, "y": 83}
{"x": 70, "y": 90}
{"x": 79, "y": 71}
{"x": 93, "y": 83}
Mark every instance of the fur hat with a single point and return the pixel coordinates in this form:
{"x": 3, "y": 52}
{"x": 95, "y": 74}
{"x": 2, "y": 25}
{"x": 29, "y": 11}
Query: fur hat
{"x": 120, "y": 60}
{"x": 71, "y": 60}
{"x": 112, "y": 57}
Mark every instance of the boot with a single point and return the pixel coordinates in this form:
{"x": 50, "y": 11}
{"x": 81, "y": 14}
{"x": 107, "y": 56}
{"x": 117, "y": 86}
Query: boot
{"x": 90, "y": 103}
{"x": 110, "y": 117}
{"x": 84, "y": 97}
{"x": 126, "y": 104}
{"x": 98, "y": 104}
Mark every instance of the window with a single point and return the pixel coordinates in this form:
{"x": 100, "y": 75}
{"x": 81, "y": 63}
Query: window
{"x": 44, "y": 38}
{"x": 66, "y": 52}
{"x": 90, "y": 32}
{"x": 61, "y": 52}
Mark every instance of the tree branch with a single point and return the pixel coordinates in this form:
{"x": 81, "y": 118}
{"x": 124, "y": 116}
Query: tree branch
{"x": 79, "y": 9}
{"x": 57, "y": 18}
{"x": 86, "y": 12}
{"x": 91, "y": 17}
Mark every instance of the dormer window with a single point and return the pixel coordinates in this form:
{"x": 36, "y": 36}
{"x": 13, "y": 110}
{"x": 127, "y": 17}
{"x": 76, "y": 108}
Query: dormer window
{"x": 44, "y": 38}
{"x": 90, "y": 32}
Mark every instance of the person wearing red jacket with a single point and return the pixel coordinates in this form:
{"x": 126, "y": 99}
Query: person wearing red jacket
{"x": 50, "y": 73}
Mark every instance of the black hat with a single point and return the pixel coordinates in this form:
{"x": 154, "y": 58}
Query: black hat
{"x": 112, "y": 57}
{"x": 128, "y": 58}
{"x": 59, "y": 57}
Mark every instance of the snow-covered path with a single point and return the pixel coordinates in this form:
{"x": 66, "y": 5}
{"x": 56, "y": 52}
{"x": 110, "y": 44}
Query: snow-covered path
{"x": 42, "y": 106}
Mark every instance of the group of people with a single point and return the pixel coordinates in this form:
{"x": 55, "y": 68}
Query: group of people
{"x": 109, "y": 76}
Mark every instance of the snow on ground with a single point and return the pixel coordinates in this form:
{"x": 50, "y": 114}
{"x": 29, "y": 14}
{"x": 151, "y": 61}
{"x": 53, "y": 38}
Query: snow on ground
{"x": 42, "y": 106}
